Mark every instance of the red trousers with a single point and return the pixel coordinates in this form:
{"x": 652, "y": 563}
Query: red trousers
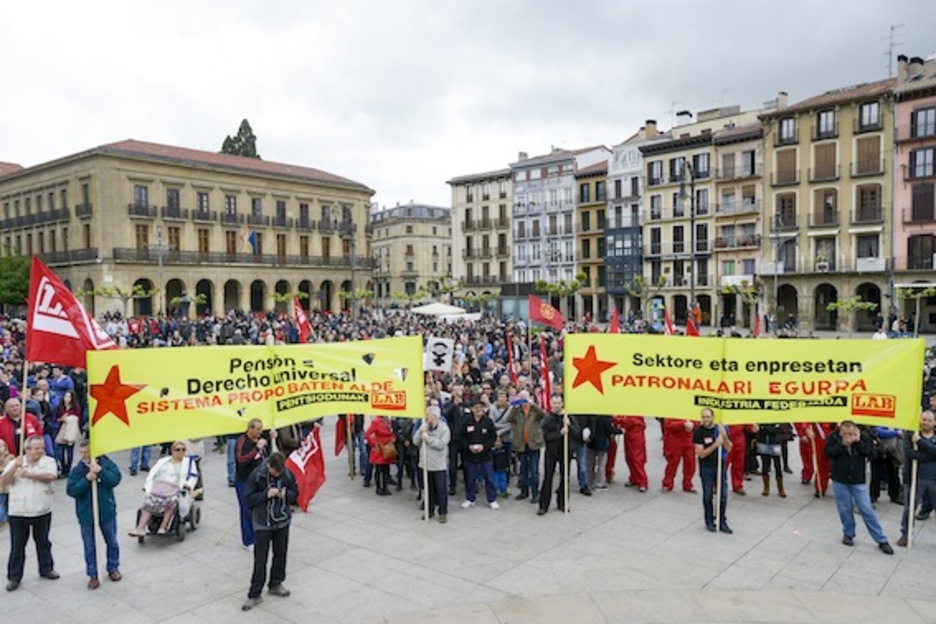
{"x": 737, "y": 457}
{"x": 676, "y": 451}
{"x": 635, "y": 454}
{"x": 612, "y": 455}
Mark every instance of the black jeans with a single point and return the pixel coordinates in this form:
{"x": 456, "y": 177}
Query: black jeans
{"x": 549, "y": 468}
{"x": 20, "y": 527}
{"x": 262, "y": 540}
{"x": 438, "y": 493}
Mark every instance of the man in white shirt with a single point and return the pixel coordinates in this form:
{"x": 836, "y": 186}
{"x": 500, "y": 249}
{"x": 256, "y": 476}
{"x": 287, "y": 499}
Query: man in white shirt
{"x": 30, "y": 478}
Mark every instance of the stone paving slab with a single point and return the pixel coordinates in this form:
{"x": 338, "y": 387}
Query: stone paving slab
{"x": 619, "y": 556}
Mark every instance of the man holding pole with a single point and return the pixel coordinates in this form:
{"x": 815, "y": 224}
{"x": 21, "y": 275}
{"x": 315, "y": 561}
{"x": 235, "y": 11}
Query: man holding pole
{"x": 555, "y": 427}
{"x": 921, "y": 450}
{"x": 433, "y": 439}
{"x": 711, "y": 443}
{"x": 103, "y": 474}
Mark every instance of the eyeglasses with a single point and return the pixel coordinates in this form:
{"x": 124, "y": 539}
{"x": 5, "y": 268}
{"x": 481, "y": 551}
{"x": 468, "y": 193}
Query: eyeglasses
{"x": 178, "y": 448}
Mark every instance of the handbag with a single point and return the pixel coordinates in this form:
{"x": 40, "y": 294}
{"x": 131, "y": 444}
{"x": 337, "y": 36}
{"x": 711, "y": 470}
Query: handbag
{"x": 771, "y": 450}
{"x": 388, "y": 451}
{"x": 71, "y": 430}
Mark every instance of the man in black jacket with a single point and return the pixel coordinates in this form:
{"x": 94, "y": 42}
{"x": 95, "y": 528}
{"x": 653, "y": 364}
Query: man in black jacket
{"x": 848, "y": 451}
{"x": 556, "y": 427}
{"x": 920, "y": 447}
{"x": 269, "y": 492}
{"x": 478, "y": 435}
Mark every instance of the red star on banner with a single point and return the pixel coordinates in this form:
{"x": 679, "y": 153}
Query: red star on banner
{"x": 111, "y": 397}
{"x": 590, "y": 369}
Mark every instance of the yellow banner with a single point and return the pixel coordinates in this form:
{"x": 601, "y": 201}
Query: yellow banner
{"x": 146, "y": 396}
{"x": 874, "y": 382}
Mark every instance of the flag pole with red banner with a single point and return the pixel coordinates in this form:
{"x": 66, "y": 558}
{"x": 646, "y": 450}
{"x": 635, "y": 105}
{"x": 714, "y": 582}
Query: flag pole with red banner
{"x": 302, "y": 320}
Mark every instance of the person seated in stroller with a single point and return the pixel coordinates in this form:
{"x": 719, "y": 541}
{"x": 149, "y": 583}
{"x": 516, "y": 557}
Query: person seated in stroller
{"x": 169, "y": 480}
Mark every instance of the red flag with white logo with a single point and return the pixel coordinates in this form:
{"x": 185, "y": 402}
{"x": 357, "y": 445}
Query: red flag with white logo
{"x": 667, "y": 323}
{"x": 541, "y": 312}
{"x": 307, "y": 463}
{"x": 544, "y": 373}
{"x": 302, "y": 320}
{"x": 58, "y": 328}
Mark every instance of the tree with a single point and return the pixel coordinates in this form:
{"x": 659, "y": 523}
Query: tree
{"x": 14, "y": 279}
{"x": 850, "y": 306}
{"x": 562, "y": 290}
{"x": 244, "y": 143}
{"x": 125, "y": 296}
{"x": 749, "y": 294}
{"x": 643, "y": 290}
{"x": 918, "y": 294}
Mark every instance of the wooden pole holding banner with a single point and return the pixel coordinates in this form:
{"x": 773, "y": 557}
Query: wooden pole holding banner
{"x": 95, "y": 519}
{"x": 565, "y": 464}
{"x": 349, "y": 441}
{"x": 425, "y": 463}
{"x": 911, "y": 503}
{"x": 718, "y": 477}
{"x": 22, "y": 440}
{"x": 815, "y": 462}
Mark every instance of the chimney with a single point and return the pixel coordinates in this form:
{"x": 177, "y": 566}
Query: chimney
{"x": 781, "y": 100}
{"x": 523, "y": 156}
{"x": 651, "y": 129}
{"x": 901, "y": 68}
{"x": 914, "y": 66}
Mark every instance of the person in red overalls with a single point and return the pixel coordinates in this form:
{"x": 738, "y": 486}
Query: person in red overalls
{"x": 635, "y": 450}
{"x": 805, "y": 452}
{"x": 677, "y": 445}
{"x": 819, "y": 432}
{"x": 737, "y": 457}
{"x": 618, "y": 423}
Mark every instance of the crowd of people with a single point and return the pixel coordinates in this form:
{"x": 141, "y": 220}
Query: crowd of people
{"x": 490, "y": 425}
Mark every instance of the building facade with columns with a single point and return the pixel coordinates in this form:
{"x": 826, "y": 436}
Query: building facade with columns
{"x": 238, "y": 233}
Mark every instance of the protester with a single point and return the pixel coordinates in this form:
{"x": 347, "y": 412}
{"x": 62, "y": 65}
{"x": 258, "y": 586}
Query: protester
{"x": 678, "y": 446}
{"x": 709, "y": 439}
{"x": 635, "y": 451}
{"x": 556, "y": 428}
{"x": 921, "y": 448}
{"x": 525, "y": 417}
{"x": 12, "y": 422}
{"x": 250, "y": 451}
{"x": 382, "y": 442}
{"x": 432, "y": 440}
{"x": 479, "y": 435}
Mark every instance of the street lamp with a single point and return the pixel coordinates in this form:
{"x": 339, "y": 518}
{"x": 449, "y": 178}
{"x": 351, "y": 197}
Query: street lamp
{"x": 344, "y": 224}
{"x": 776, "y": 225}
{"x": 686, "y": 166}
{"x": 160, "y": 252}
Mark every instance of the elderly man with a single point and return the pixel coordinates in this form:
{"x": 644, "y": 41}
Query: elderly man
{"x": 249, "y": 454}
{"x": 435, "y": 435}
{"x": 30, "y": 478}
{"x": 526, "y": 419}
{"x": 13, "y": 421}
{"x": 80, "y": 482}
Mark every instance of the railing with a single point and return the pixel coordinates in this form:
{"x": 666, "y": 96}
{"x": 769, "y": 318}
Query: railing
{"x": 141, "y": 210}
{"x": 83, "y": 210}
{"x": 867, "y": 127}
{"x": 501, "y": 224}
{"x": 916, "y": 132}
{"x": 789, "y": 139}
{"x": 784, "y": 178}
{"x": 787, "y": 221}
{"x": 822, "y": 174}
{"x": 150, "y": 256}
{"x": 469, "y": 254}
{"x": 740, "y": 172}
{"x": 205, "y": 215}
{"x": 738, "y": 242}
{"x": 281, "y": 221}
{"x": 520, "y": 235}
{"x": 174, "y": 212}
{"x": 824, "y": 218}
{"x": 327, "y": 225}
{"x": 867, "y": 214}
{"x": 481, "y": 280}
{"x": 820, "y": 134}
{"x": 861, "y": 168}
{"x": 70, "y": 256}
{"x": 918, "y": 215}
{"x": 485, "y": 224}
{"x": 503, "y": 251}
{"x": 231, "y": 218}
{"x": 467, "y": 225}
{"x": 258, "y": 219}
{"x": 738, "y": 208}
{"x": 486, "y": 252}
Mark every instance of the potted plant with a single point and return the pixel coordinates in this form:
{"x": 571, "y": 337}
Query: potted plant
{"x": 822, "y": 263}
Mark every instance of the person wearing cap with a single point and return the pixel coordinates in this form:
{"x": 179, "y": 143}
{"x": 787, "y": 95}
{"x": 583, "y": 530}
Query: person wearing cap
{"x": 527, "y": 442}
{"x": 478, "y": 434}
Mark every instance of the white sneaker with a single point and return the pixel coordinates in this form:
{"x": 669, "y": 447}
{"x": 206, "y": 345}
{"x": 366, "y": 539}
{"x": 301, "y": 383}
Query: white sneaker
{"x": 494, "y": 505}
{"x": 467, "y": 504}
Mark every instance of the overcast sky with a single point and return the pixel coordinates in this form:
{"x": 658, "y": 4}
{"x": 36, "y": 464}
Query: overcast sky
{"x": 404, "y": 95}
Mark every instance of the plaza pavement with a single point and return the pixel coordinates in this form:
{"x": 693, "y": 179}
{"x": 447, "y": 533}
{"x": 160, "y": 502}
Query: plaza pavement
{"x": 619, "y": 556}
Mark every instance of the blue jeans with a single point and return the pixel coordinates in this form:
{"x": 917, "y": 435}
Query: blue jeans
{"x": 475, "y": 471}
{"x": 529, "y": 472}
{"x": 109, "y": 531}
{"x": 135, "y": 457}
{"x": 581, "y": 463}
{"x": 924, "y": 487}
{"x": 247, "y": 532}
{"x": 847, "y": 497}
{"x": 363, "y": 461}
{"x": 231, "y": 463}
{"x": 707, "y": 474}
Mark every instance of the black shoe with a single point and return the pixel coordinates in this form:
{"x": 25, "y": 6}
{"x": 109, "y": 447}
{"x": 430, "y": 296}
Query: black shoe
{"x": 921, "y": 517}
{"x": 367, "y": 484}
{"x": 850, "y": 541}
{"x": 541, "y": 512}
{"x": 726, "y": 529}
{"x": 52, "y": 575}
{"x": 534, "y": 499}
{"x": 133, "y": 472}
{"x": 12, "y": 585}
{"x": 452, "y": 491}
{"x": 710, "y": 528}
{"x": 522, "y": 495}
{"x": 897, "y": 501}
{"x": 886, "y": 548}
{"x": 144, "y": 468}
{"x": 787, "y": 470}
{"x": 399, "y": 487}
{"x": 585, "y": 491}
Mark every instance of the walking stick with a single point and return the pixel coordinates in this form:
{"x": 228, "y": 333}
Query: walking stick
{"x": 718, "y": 479}
{"x": 565, "y": 468}
{"x": 911, "y": 504}
{"x": 350, "y": 443}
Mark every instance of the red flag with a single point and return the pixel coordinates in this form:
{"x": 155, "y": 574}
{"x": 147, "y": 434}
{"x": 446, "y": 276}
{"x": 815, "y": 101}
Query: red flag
{"x": 510, "y": 359}
{"x": 541, "y": 312}
{"x": 691, "y": 329}
{"x": 341, "y": 428}
{"x": 757, "y": 327}
{"x": 305, "y": 329}
{"x": 307, "y": 464}
{"x": 134, "y": 326}
{"x": 58, "y": 328}
{"x": 615, "y": 326}
{"x": 668, "y": 323}
{"x": 544, "y": 373}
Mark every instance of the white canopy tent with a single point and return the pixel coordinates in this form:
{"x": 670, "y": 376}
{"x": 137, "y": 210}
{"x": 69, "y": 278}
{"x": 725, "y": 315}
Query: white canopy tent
{"x": 437, "y": 309}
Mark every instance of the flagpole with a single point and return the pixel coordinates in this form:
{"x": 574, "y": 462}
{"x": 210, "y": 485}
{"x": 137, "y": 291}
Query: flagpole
{"x": 95, "y": 511}
{"x": 350, "y": 445}
{"x": 565, "y": 466}
{"x": 22, "y": 442}
{"x": 425, "y": 463}
{"x": 911, "y": 504}
{"x": 718, "y": 478}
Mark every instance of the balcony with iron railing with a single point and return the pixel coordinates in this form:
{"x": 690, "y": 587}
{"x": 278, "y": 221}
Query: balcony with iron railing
{"x": 84, "y": 210}
{"x": 174, "y": 213}
{"x": 141, "y": 210}
{"x": 535, "y": 235}
{"x": 824, "y": 174}
{"x": 786, "y": 221}
{"x": 740, "y": 172}
{"x": 821, "y": 132}
{"x": 785, "y": 177}
{"x": 469, "y": 253}
{"x": 786, "y": 138}
{"x": 867, "y": 214}
{"x": 501, "y": 224}
{"x": 204, "y": 216}
{"x": 916, "y": 132}
{"x": 860, "y": 126}
{"x": 468, "y": 225}
{"x": 503, "y": 252}
{"x": 920, "y": 214}
{"x": 747, "y": 241}
{"x": 870, "y": 167}
{"x": 151, "y": 256}
{"x": 485, "y": 224}
{"x": 230, "y": 218}
{"x": 824, "y": 218}
{"x": 70, "y": 256}
{"x": 305, "y": 223}
{"x": 520, "y": 235}
{"x": 736, "y": 208}
{"x": 256, "y": 219}
{"x": 281, "y": 221}
{"x": 486, "y": 252}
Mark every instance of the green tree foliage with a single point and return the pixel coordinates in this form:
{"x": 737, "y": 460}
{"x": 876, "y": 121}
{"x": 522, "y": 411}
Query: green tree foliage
{"x": 244, "y": 143}
{"x": 14, "y": 279}
{"x": 851, "y": 306}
